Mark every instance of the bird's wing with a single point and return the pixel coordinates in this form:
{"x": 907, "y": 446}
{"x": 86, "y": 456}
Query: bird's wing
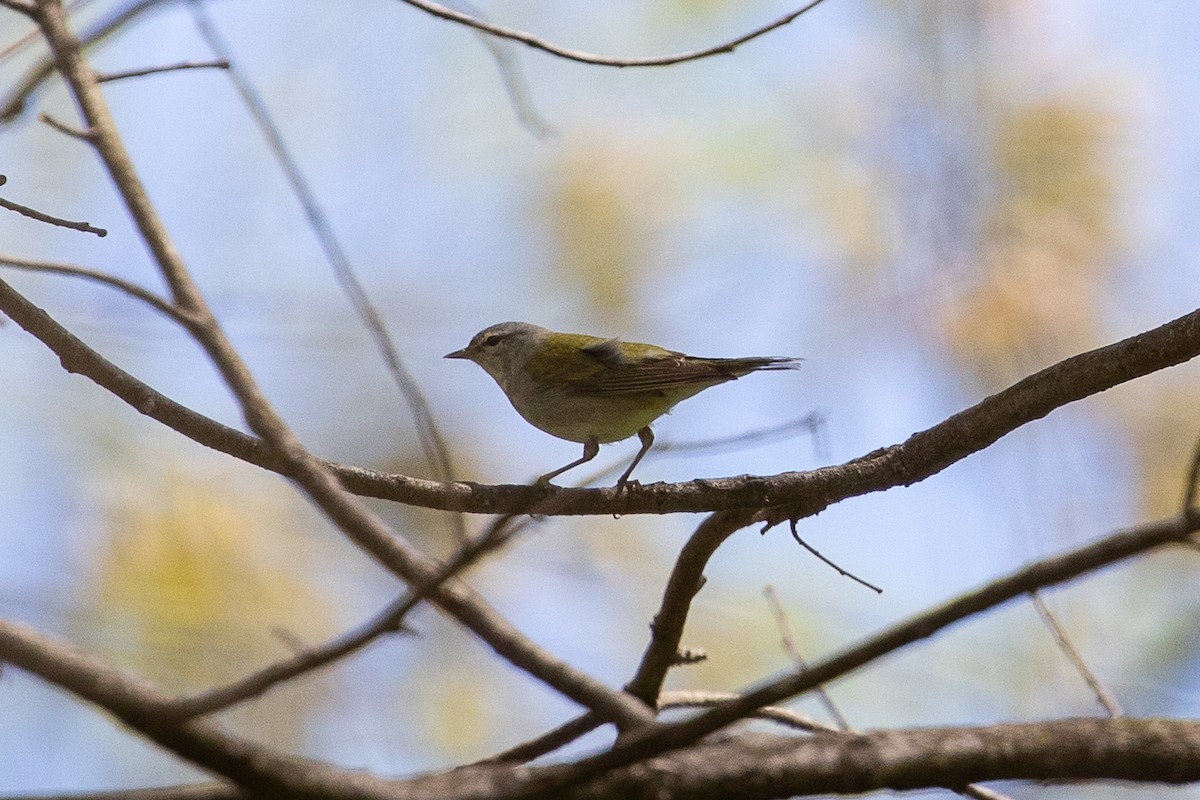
{"x": 631, "y": 368}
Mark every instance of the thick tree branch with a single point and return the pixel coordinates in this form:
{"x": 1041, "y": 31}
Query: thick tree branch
{"x": 922, "y": 455}
{"x": 756, "y": 767}
{"x": 762, "y": 766}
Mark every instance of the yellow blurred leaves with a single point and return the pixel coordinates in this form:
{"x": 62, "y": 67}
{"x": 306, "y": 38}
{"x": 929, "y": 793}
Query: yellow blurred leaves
{"x": 190, "y": 577}
{"x": 1049, "y": 234}
{"x": 1165, "y": 429}
{"x": 458, "y": 706}
{"x": 604, "y": 202}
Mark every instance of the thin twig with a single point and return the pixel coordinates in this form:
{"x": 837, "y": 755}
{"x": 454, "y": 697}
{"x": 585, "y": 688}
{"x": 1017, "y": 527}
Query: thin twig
{"x": 784, "y": 716}
{"x": 47, "y": 218}
{"x": 15, "y": 102}
{"x": 109, "y": 77}
{"x": 64, "y": 128}
{"x": 132, "y": 289}
{"x": 840, "y": 571}
{"x": 432, "y": 442}
{"x": 538, "y": 43}
{"x": 789, "y": 646}
{"x": 809, "y": 423}
{"x": 504, "y": 53}
{"x": 1103, "y": 696}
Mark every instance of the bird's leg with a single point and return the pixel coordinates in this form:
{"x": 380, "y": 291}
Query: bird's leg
{"x": 647, "y": 438}
{"x": 590, "y": 448}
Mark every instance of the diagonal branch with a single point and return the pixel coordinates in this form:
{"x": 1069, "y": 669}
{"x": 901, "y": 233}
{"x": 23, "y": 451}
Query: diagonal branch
{"x": 49, "y": 219}
{"x": 686, "y": 579}
{"x": 389, "y": 620}
{"x": 120, "y": 284}
{"x": 146, "y": 710}
{"x": 920, "y": 456}
{"x": 606, "y": 61}
{"x": 662, "y": 738}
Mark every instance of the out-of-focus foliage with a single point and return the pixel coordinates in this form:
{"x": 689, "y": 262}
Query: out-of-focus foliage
{"x": 1049, "y": 239}
{"x": 605, "y": 201}
{"x": 194, "y": 582}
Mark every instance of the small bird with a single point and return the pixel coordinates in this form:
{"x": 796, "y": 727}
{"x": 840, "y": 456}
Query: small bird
{"x": 593, "y": 390}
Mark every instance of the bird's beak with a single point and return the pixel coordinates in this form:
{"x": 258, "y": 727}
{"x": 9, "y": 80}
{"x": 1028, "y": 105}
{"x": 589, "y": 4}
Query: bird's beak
{"x": 458, "y": 354}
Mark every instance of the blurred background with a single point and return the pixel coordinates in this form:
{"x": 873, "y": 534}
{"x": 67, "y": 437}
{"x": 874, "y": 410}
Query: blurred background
{"x": 926, "y": 200}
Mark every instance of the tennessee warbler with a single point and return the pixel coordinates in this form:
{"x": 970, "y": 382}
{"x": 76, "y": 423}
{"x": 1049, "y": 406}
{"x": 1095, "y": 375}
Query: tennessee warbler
{"x": 592, "y": 390}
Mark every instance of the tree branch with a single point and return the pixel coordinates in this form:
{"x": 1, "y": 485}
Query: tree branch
{"x": 389, "y": 620}
{"x": 109, "y": 77}
{"x": 144, "y": 709}
{"x": 756, "y": 766}
{"x": 686, "y": 579}
{"x": 921, "y": 455}
{"x": 120, "y": 284}
{"x": 661, "y": 738}
{"x": 49, "y": 219}
{"x": 20, "y": 6}
{"x": 606, "y": 61}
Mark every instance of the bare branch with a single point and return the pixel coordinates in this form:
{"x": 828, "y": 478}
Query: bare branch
{"x": 390, "y": 620}
{"x": 14, "y": 104}
{"x": 639, "y": 745}
{"x": 793, "y": 652}
{"x": 686, "y": 579}
{"x": 47, "y": 218}
{"x": 20, "y": 6}
{"x": 784, "y": 716}
{"x": 1103, "y": 696}
{"x": 1150, "y": 751}
{"x": 63, "y": 128}
{"x": 823, "y": 559}
{"x": 109, "y": 77}
{"x": 843, "y": 725}
{"x": 144, "y": 709}
{"x": 606, "y": 61}
{"x": 132, "y": 289}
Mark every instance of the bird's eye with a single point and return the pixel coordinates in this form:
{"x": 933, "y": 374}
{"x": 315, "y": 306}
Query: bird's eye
{"x": 492, "y": 340}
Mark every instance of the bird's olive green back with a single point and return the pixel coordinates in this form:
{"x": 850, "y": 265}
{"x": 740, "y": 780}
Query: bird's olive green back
{"x": 590, "y": 365}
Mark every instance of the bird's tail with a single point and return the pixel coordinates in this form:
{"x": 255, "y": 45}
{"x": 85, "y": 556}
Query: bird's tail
{"x": 737, "y": 367}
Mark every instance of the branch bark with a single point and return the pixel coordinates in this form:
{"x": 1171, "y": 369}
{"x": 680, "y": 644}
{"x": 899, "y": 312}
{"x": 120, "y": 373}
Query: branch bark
{"x": 794, "y": 493}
